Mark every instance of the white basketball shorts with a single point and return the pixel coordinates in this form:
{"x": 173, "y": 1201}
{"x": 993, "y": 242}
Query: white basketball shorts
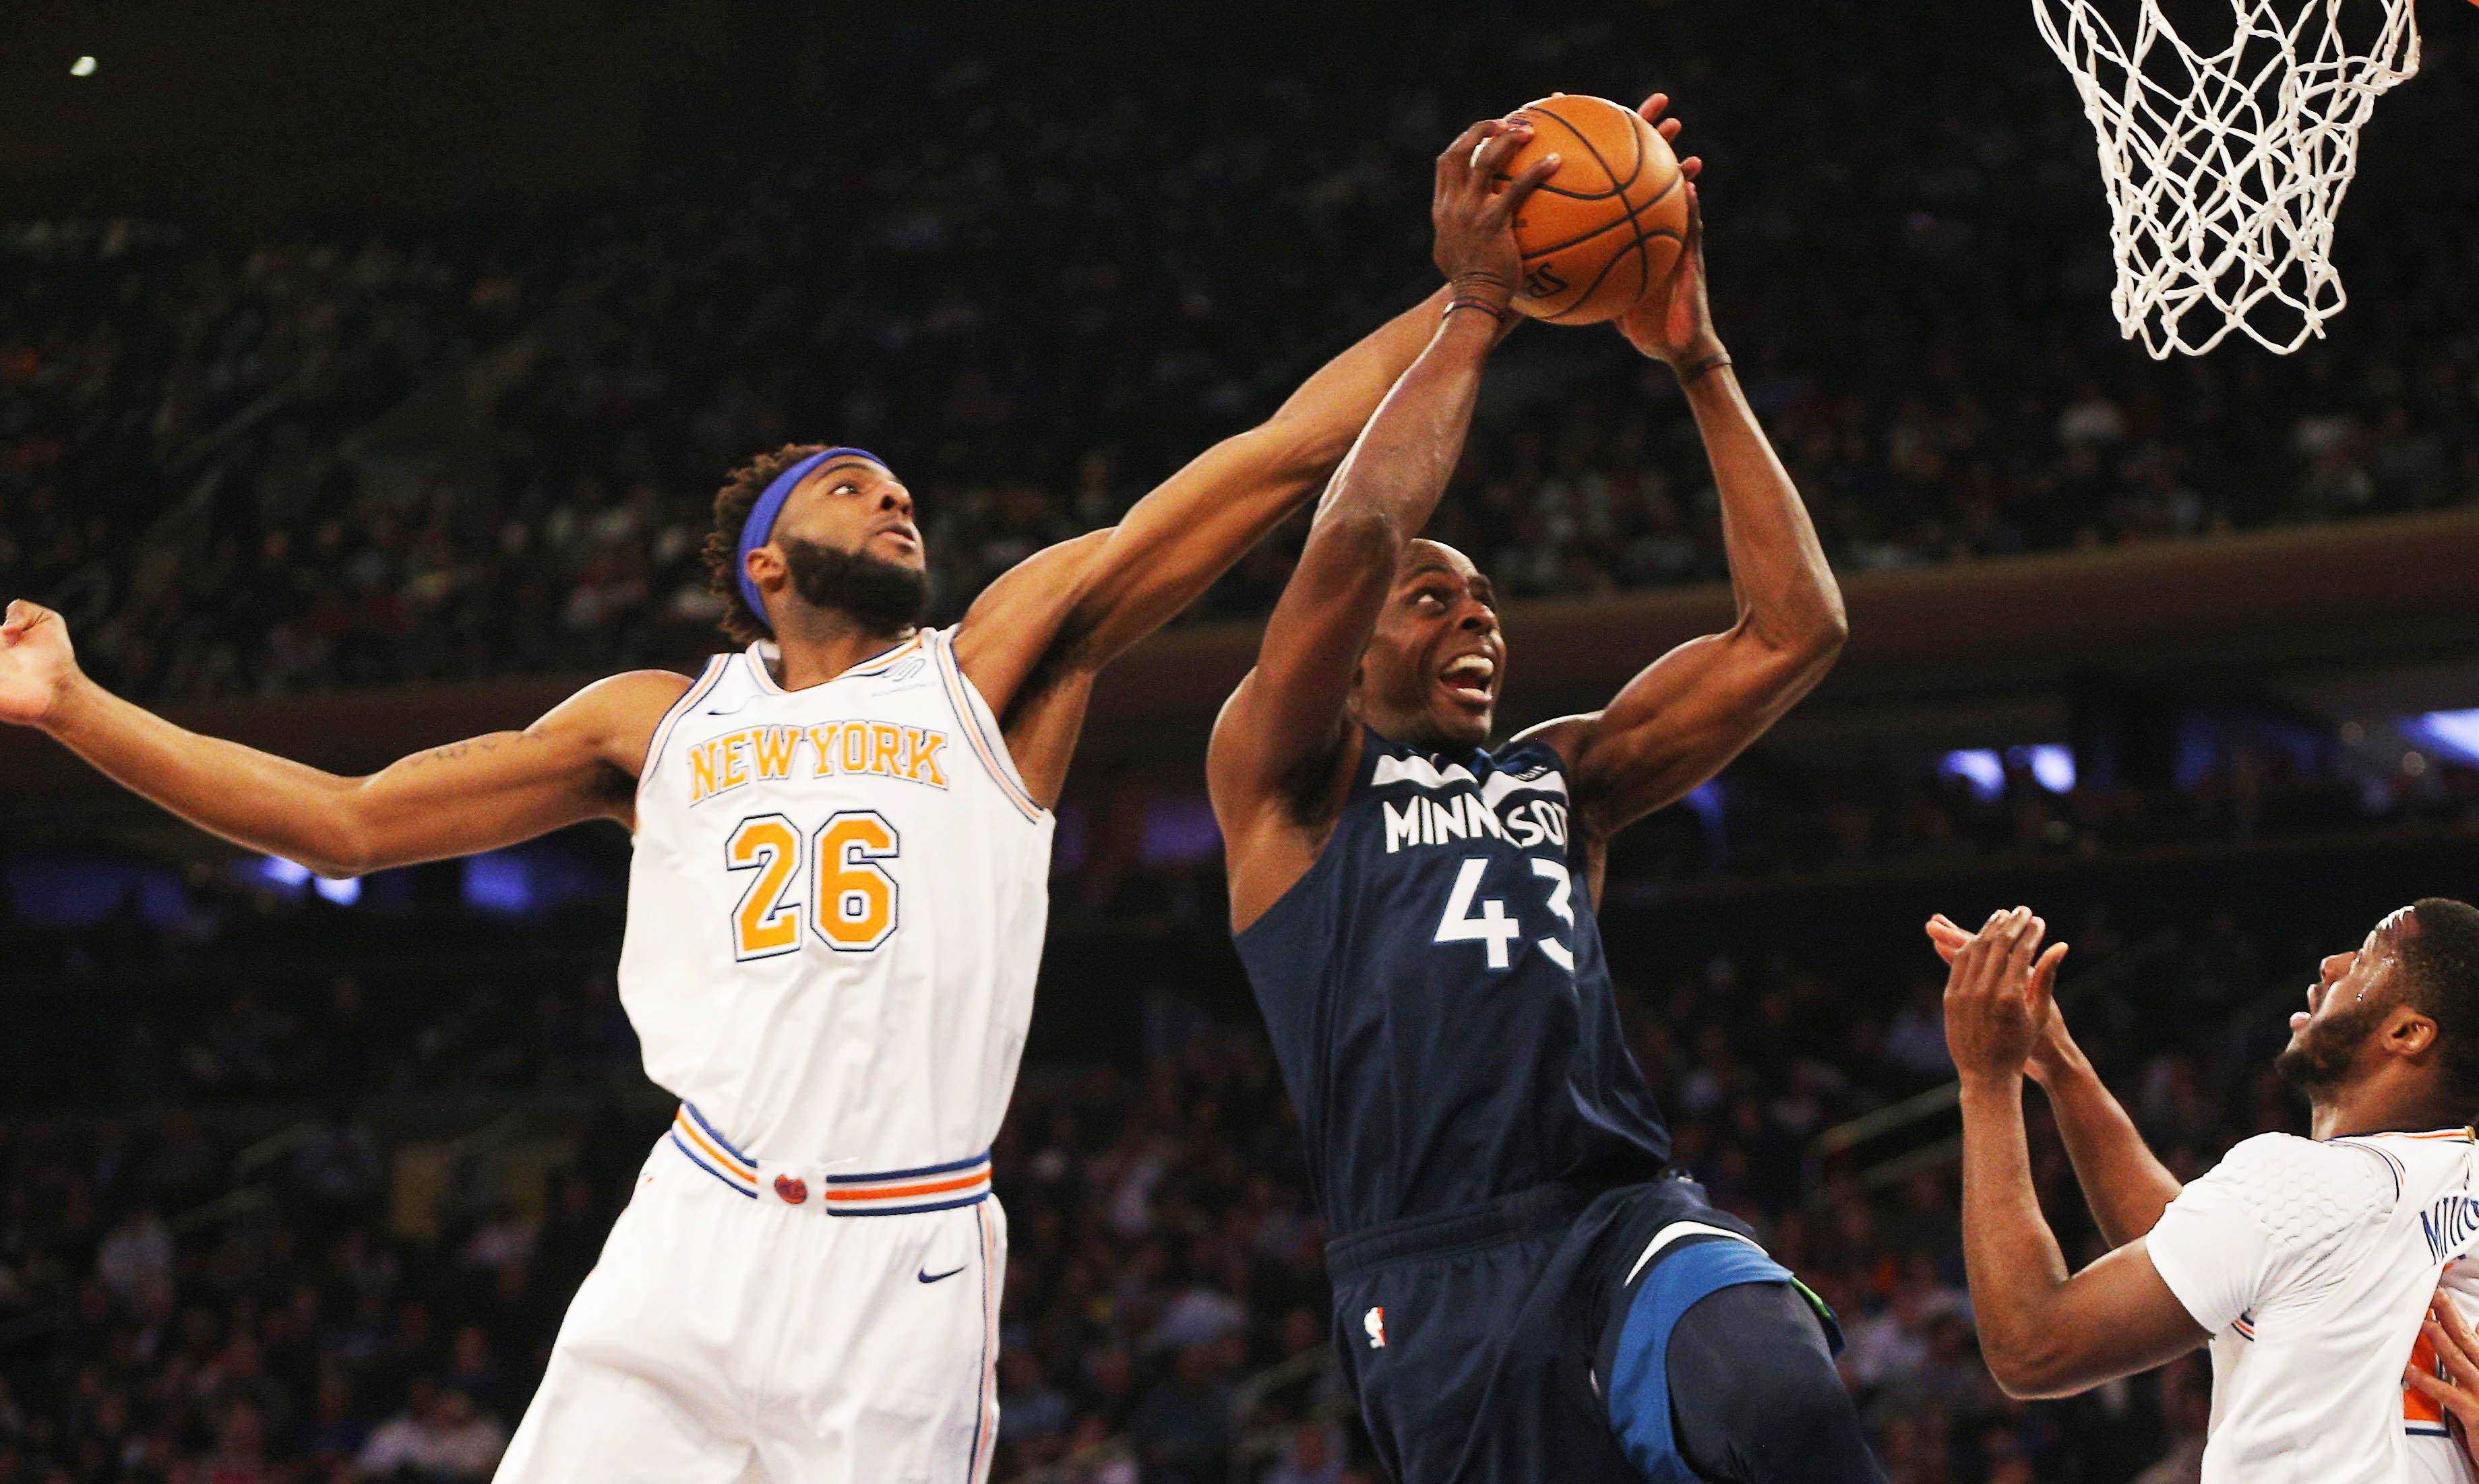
{"x": 724, "y": 1337}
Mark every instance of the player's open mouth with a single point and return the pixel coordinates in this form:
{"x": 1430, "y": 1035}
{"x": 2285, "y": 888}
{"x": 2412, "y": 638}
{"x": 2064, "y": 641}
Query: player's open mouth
{"x": 1468, "y": 679}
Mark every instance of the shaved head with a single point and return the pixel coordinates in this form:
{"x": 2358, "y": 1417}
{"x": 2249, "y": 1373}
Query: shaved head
{"x": 2437, "y": 941}
{"x": 2421, "y": 959}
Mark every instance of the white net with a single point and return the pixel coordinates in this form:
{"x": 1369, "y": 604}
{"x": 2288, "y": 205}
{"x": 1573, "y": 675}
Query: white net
{"x": 2226, "y": 169}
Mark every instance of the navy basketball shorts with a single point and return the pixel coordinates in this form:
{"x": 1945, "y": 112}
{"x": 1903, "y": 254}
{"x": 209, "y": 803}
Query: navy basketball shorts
{"x": 1640, "y": 1337}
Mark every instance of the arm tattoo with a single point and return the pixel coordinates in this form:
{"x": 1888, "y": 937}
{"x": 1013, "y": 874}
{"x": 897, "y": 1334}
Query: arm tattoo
{"x": 456, "y": 749}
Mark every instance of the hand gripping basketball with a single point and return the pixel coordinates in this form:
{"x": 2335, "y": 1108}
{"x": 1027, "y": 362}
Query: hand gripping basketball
{"x": 1604, "y": 232}
{"x": 1473, "y": 222}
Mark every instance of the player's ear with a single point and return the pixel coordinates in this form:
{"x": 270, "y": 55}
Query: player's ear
{"x": 765, "y": 564}
{"x": 2408, "y": 1033}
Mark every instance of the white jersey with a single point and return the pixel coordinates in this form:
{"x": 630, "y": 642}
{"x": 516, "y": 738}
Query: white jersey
{"x": 2310, "y": 1263}
{"x": 836, "y": 916}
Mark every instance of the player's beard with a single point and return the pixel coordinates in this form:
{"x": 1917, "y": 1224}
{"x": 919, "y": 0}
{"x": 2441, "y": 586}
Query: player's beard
{"x": 2319, "y": 1059}
{"x": 881, "y": 597}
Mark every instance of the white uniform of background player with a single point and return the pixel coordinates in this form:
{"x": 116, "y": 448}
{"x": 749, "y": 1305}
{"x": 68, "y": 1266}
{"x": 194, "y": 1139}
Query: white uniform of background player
{"x": 2310, "y": 1263}
{"x": 836, "y": 916}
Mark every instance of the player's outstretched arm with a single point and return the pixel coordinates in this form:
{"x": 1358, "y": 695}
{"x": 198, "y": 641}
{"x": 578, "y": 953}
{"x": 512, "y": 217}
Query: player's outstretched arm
{"x": 2042, "y": 1332}
{"x": 1287, "y": 717}
{"x": 2123, "y": 1182}
{"x": 575, "y": 763}
{"x": 1697, "y": 707}
{"x": 1034, "y": 639}
{"x": 1080, "y": 605}
{"x": 1040, "y": 632}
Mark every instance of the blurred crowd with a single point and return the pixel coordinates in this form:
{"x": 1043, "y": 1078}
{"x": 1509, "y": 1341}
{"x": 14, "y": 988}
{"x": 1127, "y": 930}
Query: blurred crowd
{"x": 488, "y": 446}
{"x": 293, "y": 1228}
{"x": 281, "y": 1205}
{"x": 1763, "y": 820}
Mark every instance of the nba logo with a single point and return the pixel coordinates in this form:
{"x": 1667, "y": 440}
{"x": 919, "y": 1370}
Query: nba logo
{"x": 794, "y": 1192}
{"x": 1374, "y": 1321}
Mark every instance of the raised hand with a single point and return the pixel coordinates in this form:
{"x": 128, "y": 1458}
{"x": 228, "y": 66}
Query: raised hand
{"x": 1997, "y": 995}
{"x": 1675, "y": 323}
{"x": 1473, "y": 220}
{"x": 36, "y": 663}
{"x": 2456, "y": 1393}
{"x": 2056, "y": 1051}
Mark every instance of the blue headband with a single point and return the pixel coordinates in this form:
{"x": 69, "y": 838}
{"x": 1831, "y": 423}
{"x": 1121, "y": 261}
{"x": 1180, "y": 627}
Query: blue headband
{"x": 760, "y": 529}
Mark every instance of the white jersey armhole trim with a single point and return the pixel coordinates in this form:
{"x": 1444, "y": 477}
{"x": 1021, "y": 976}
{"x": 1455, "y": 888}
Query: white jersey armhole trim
{"x": 981, "y": 728}
{"x": 765, "y": 678}
{"x": 697, "y": 692}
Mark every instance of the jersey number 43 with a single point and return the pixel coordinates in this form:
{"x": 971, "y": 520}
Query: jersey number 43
{"x": 833, "y": 879}
{"x": 1492, "y": 927}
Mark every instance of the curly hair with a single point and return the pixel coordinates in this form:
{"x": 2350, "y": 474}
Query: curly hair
{"x": 731, "y": 506}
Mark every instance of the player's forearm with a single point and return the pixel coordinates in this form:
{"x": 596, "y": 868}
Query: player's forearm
{"x": 475, "y": 795}
{"x": 248, "y": 797}
{"x": 2015, "y": 1266}
{"x": 1387, "y": 490}
{"x": 1396, "y": 474}
{"x": 2125, "y": 1186}
{"x": 1248, "y": 483}
{"x": 1177, "y": 541}
{"x": 1317, "y": 424}
{"x": 1786, "y": 591}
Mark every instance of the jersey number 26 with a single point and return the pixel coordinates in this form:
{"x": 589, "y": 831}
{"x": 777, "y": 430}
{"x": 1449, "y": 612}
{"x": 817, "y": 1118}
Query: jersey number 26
{"x": 840, "y": 867}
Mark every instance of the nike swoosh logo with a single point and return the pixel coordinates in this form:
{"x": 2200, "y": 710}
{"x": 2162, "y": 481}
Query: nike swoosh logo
{"x": 927, "y": 1276}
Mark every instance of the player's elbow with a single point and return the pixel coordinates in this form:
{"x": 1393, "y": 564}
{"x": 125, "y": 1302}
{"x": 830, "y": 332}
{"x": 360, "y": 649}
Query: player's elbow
{"x": 1814, "y": 648}
{"x": 1787, "y": 659}
{"x": 1363, "y": 529}
{"x": 2035, "y": 1369}
{"x": 345, "y": 844}
{"x": 337, "y": 862}
{"x": 1815, "y": 638}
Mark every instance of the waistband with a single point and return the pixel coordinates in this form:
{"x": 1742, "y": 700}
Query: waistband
{"x": 1532, "y": 1213}
{"x": 892, "y": 1193}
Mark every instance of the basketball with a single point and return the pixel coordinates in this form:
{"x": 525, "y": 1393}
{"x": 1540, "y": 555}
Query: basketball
{"x": 1605, "y": 228}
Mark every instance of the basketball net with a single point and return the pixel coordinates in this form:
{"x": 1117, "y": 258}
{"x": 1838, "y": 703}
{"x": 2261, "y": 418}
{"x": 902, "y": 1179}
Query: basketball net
{"x": 2225, "y": 170}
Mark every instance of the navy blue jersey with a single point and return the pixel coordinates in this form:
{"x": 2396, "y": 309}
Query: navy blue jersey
{"x": 1438, "y": 999}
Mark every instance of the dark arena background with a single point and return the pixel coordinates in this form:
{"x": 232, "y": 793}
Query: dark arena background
{"x": 367, "y": 371}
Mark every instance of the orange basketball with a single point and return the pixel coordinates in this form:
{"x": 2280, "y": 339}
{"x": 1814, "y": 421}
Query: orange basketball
{"x": 1608, "y": 225}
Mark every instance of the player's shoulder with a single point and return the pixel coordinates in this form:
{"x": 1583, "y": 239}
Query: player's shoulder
{"x": 1529, "y": 758}
{"x": 633, "y": 695}
{"x": 619, "y": 715}
{"x": 1033, "y": 596}
{"x": 1552, "y": 742}
{"x": 2444, "y": 1141}
{"x": 2286, "y": 1156}
{"x": 2419, "y": 1159}
{"x": 2305, "y": 1189}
